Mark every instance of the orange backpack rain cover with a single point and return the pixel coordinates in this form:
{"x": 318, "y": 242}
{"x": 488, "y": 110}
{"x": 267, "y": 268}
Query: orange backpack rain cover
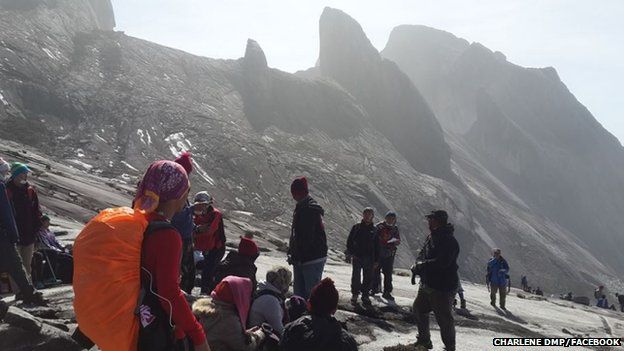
{"x": 107, "y": 264}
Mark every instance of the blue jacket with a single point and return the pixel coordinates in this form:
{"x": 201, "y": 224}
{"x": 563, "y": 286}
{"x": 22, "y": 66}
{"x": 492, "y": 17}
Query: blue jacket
{"x": 8, "y": 228}
{"x": 497, "y": 271}
{"x": 183, "y": 223}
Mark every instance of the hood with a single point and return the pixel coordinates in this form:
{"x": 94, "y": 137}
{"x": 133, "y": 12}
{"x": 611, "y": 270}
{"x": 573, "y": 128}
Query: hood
{"x": 444, "y": 230}
{"x": 264, "y": 285}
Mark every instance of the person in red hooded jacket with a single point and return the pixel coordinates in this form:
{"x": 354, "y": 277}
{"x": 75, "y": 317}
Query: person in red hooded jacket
{"x": 209, "y": 237}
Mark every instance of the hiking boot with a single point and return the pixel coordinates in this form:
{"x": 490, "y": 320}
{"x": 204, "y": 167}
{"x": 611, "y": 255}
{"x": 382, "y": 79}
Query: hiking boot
{"x": 366, "y": 300}
{"x": 493, "y": 303}
{"x": 388, "y": 296}
{"x": 354, "y": 298}
{"x": 424, "y": 344}
{"x": 462, "y": 304}
{"x": 374, "y": 292}
{"x": 503, "y": 308}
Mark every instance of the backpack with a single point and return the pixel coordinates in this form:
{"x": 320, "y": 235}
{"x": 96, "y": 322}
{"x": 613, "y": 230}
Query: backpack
{"x": 107, "y": 279}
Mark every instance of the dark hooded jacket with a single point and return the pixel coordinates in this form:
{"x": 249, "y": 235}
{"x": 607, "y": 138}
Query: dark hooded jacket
{"x": 8, "y": 228}
{"x": 312, "y": 333}
{"x": 27, "y": 212}
{"x": 438, "y": 269}
{"x": 363, "y": 242}
{"x": 237, "y": 265}
{"x": 308, "y": 241}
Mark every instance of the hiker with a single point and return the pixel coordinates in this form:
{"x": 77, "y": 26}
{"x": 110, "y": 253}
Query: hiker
{"x": 363, "y": 252}
{"x": 269, "y": 301}
{"x": 209, "y": 237}
{"x": 224, "y": 316}
{"x": 568, "y": 296}
{"x": 183, "y": 223}
{"x": 620, "y": 299}
{"x": 599, "y": 292}
{"x": 524, "y": 282}
{"x": 307, "y": 248}
{"x": 25, "y": 203}
{"x": 496, "y": 277}
{"x": 319, "y": 330}
{"x": 59, "y": 260}
{"x": 603, "y": 302}
{"x": 437, "y": 267}
{"x": 239, "y": 263}
{"x": 10, "y": 259}
{"x": 389, "y": 239}
{"x": 539, "y": 291}
{"x": 162, "y": 193}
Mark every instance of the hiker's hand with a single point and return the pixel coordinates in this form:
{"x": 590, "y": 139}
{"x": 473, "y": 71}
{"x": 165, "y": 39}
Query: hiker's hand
{"x": 202, "y": 347}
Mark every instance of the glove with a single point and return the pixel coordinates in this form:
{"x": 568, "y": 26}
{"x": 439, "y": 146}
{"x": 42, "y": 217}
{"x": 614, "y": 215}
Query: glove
{"x": 416, "y": 268}
{"x": 348, "y": 258}
{"x": 289, "y": 260}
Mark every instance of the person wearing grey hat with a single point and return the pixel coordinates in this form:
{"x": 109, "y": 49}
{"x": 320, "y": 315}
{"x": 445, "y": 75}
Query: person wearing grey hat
{"x": 209, "y": 237}
{"x": 10, "y": 259}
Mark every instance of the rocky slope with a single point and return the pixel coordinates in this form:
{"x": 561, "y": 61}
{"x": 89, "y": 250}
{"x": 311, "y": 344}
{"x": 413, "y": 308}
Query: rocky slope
{"x": 97, "y": 101}
{"x": 526, "y": 128}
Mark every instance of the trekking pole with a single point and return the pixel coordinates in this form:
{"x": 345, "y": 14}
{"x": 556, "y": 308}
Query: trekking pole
{"x": 45, "y": 253}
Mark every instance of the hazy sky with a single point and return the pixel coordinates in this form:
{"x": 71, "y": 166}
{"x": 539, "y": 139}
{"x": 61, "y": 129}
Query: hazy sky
{"x": 583, "y": 40}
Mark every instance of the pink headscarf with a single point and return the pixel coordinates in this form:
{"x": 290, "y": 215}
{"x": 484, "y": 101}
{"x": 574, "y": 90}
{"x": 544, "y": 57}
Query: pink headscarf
{"x": 237, "y": 291}
{"x": 163, "y": 181}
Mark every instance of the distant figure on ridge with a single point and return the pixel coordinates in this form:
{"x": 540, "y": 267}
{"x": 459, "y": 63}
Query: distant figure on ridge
{"x": 620, "y": 298}
{"x": 496, "y": 277}
{"x": 307, "y": 248}
{"x": 525, "y": 283}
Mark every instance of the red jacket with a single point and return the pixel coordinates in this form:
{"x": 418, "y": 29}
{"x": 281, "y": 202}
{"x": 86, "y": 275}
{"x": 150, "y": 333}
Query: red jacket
{"x": 214, "y": 237}
{"x": 27, "y": 212}
{"x": 162, "y": 252}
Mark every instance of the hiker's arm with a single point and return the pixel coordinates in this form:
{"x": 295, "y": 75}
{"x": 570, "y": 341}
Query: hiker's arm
{"x": 7, "y": 221}
{"x": 37, "y": 214}
{"x": 168, "y": 247}
{"x": 350, "y": 241}
{"x": 445, "y": 254}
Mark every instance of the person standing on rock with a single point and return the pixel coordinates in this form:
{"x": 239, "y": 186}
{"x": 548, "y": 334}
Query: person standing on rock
{"x": 620, "y": 299}
{"x": 307, "y": 248}
{"x": 389, "y": 239}
{"x": 437, "y": 267}
{"x": 496, "y": 277}
{"x": 28, "y": 214}
{"x": 209, "y": 237}
{"x": 363, "y": 252}
{"x": 10, "y": 259}
{"x": 183, "y": 222}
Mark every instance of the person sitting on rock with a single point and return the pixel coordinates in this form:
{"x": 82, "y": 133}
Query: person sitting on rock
{"x": 539, "y": 291}
{"x": 599, "y": 292}
{"x": 224, "y": 316}
{"x": 363, "y": 252}
{"x": 268, "y": 305}
{"x": 319, "y": 330}
{"x": 209, "y": 236}
{"x": 59, "y": 257}
{"x": 239, "y": 263}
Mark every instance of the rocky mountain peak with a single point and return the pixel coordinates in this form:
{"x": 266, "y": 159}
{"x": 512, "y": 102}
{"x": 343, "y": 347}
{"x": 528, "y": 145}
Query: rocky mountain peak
{"x": 254, "y": 56}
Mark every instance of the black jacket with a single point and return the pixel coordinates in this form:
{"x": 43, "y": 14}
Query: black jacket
{"x": 363, "y": 241}
{"x": 237, "y": 265}
{"x": 8, "y": 227}
{"x": 312, "y": 333}
{"x": 438, "y": 269}
{"x": 307, "y": 239}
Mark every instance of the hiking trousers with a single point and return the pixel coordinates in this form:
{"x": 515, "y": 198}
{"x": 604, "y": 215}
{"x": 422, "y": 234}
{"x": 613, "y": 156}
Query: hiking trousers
{"x": 187, "y": 269}
{"x": 502, "y": 291}
{"x": 306, "y": 276}
{"x": 361, "y": 275}
{"x": 441, "y": 304}
{"x": 11, "y": 262}
{"x": 385, "y": 267}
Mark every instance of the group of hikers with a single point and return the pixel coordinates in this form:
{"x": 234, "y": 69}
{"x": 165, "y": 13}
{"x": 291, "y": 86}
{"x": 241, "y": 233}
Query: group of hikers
{"x": 603, "y": 302}
{"x": 149, "y": 254}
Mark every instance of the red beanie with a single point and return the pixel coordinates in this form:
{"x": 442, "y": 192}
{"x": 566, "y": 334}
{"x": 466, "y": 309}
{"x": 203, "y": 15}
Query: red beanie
{"x": 185, "y": 161}
{"x": 299, "y": 187}
{"x": 222, "y": 292}
{"x": 247, "y": 247}
{"x": 324, "y": 298}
